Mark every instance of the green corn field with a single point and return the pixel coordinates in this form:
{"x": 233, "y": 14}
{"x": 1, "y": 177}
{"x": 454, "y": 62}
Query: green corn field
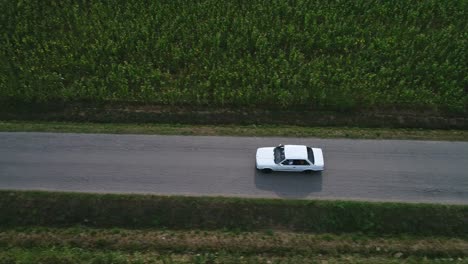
{"x": 284, "y": 54}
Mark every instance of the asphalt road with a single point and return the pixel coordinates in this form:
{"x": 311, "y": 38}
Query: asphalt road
{"x": 398, "y": 170}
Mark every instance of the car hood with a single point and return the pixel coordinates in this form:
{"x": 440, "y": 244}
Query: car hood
{"x": 265, "y": 156}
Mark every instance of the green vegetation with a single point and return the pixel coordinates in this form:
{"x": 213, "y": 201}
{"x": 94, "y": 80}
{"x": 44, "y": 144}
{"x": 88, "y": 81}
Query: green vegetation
{"x": 47, "y": 227}
{"x": 147, "y": 211}
{"x": 79, "y": 256}
{"x": 332, "y": 55}
{"x": 253, "y": 130}
{"x": 86, "y": 245}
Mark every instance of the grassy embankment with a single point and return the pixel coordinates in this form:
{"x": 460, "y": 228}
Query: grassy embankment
{"x": 72, "y": 227}
{"x": 236, "y": 130}
{"x": 83, "y": 245}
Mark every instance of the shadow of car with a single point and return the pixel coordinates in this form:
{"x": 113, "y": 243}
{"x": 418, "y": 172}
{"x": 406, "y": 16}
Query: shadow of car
{"x": 289, "y": 184}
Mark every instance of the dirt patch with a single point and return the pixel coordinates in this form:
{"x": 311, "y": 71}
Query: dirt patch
{"x": 133, "y": 113}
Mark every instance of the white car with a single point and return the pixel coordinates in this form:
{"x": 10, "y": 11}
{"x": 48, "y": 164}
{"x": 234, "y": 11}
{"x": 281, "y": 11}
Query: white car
{"x": 289, "y": 158}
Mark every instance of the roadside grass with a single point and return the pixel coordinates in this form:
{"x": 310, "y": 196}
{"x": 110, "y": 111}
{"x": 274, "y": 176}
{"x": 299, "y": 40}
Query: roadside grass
{"x": 236, "y": 130}
{"x": 244, "y": 243}
{"x": 51, "y": 227}
{"x": 57, "y": 209}
{"x": 78, "y": 256}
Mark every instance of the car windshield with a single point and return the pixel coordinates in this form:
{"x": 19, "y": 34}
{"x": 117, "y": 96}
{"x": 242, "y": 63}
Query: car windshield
{"x": 279, "y": 154}
{"x": 310, "y": 155}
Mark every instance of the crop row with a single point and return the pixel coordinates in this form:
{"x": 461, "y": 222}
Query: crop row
{"x": 332, "y": 55}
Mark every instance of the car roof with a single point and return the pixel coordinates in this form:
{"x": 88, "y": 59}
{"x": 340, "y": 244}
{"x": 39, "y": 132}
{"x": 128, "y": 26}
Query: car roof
{"x": 295, "y": 152}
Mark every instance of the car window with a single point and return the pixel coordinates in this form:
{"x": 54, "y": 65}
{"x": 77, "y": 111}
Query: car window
{"x": 288, "y": 162}
{"x": 300, "y": 163}
{"x": 279, "y": 154}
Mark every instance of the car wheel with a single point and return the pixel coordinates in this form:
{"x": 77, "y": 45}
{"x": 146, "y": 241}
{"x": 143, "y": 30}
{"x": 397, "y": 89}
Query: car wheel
{"x": 266, "y": 170}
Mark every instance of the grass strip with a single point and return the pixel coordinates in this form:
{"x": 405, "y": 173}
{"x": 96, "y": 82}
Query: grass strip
{"x": 244, "y": 243}
{"x": 78, "y": 256}
{"x": 233, "y": 130}
{"x": 35, "y": 208}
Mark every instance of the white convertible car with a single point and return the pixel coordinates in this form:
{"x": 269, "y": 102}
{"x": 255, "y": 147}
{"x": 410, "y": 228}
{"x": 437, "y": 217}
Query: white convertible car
{"x": 289, "y": 158}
